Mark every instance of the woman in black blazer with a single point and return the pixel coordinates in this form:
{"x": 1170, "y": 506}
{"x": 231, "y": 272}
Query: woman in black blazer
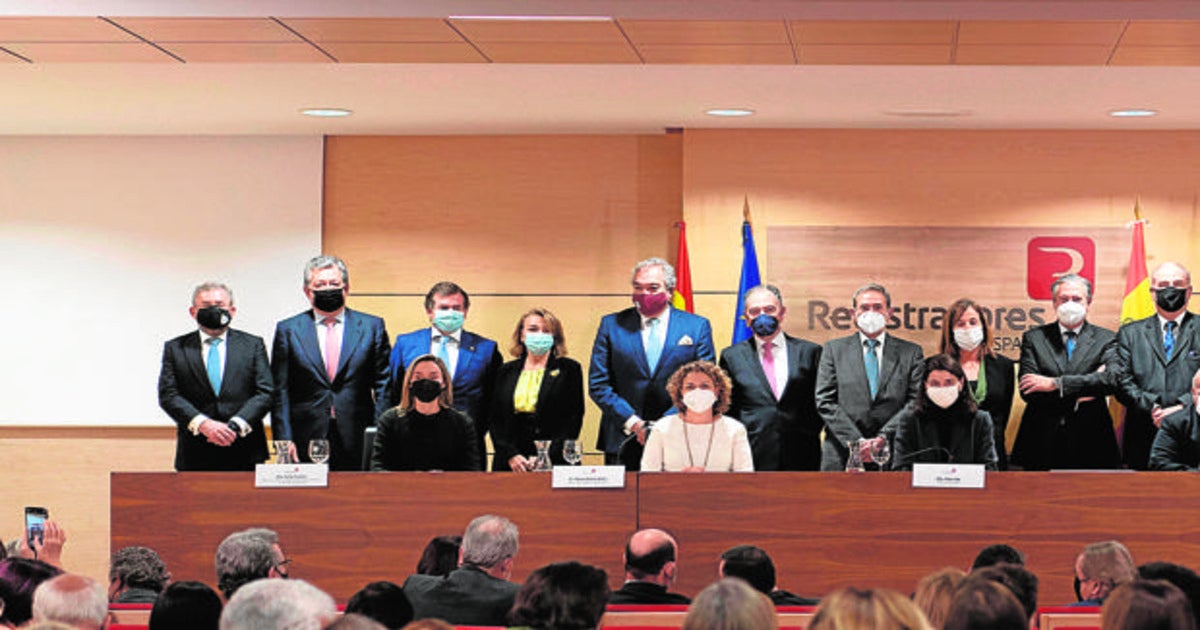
{"x": 991, "y": 380}
{"x": 538, "y": 396}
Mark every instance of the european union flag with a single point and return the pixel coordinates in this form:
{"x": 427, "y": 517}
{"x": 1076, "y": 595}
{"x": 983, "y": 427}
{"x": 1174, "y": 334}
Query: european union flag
{"x": 750, "y": 278}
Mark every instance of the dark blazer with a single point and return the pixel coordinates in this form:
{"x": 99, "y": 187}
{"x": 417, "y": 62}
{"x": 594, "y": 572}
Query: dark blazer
{"x": 444, "y": 441}
{"x": 998, "y": 400}
{"x": 184, "y": 392}
{"x": 1177, "y": 444}
{"x": 646, "y": 593}
{"x": 919, "y": 441}
{"x": 1145, "y": 377}
{"x": 1057, "y": 430}
{"x": 473, "y": 379}
{"x": 557, "y": 417}
{"x": 780, "y": 597}
{"x": 784, "y": 434}
{"x": 619, "y": 378}
{"x": 308, "y": 406}
{"x": 844, "y": 397}
{"x": 465, "y": 597}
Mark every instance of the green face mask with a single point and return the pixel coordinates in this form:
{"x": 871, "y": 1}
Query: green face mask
{"x": 448, "y": 321}
{"x": 539, "y": 343}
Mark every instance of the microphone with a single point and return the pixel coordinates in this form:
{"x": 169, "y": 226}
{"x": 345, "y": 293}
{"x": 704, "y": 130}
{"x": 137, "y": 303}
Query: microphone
{"x": 910, "y": 456}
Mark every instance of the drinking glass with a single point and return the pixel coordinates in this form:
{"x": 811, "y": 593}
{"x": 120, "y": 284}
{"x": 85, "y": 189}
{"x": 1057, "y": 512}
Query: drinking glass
{"x": 542, "y": 463}
{"x": 881, "y": 453}
{"x": 318, "y": 451}
{"x": 283, "y": 452}
{"x": 854, "y": 462}
{"x": 573, "y": 452}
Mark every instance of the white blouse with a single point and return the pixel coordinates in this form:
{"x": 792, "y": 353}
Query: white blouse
{"x": 718, "y": 447}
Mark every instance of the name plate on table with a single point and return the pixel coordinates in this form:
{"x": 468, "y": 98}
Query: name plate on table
{"x": 588, "y": 477}
{"x": 291, "y": 476}
{"x": 948, "y": 476}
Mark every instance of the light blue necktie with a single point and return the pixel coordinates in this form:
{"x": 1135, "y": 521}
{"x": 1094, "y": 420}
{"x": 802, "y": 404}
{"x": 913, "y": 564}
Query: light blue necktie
{"x": 1169, "y": 339}
{"x": 444, "y": 354}
{"x": 1070, "y": 344}
{"x": 654, "y": 344}
{"x": 871, "y": 362}
{"x": 214, "y": 364}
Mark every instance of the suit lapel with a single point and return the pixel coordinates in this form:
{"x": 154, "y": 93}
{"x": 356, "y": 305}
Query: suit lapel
{"x": 549, "y": 379}
{"x": 1154, "y": 338}
{"x": 467, "y": 350}
{"x": 858, "y": 368}
{"x": 352, "y": 335}
{"x": 754, "y": 361}
{"x": 1083, "y": 343}
{"x": 1057, "y": 349}
{"x": 195, "y": 361}
{"x": 631, "y": 324}
{"x": 1183, "y": 337}
{"x": 888, "y": 364}
{"x": 674, "y": 334}
{"x": 235, "y": 366}
{"x": 309, "y": 345}
{"x": 793, "y": 367}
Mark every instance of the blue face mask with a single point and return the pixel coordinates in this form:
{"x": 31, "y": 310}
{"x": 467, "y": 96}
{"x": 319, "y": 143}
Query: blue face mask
{"x": 448, "y": 321}
{"x": 764, "y": 325}
{"x": 539, "y": 343}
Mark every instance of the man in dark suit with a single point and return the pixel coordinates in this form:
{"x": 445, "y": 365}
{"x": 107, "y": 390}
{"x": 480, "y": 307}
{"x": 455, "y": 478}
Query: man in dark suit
{"x": 864, "y": 380}
{"x": 215, "y": 384}
{"x": 1156, "y": 358}
{"x": 753, "y": 565}
{"x": 774, "y": 387}
{"x": 330, "y": 366}
{"x": 473, "y": 360}
{"x": 1064, "y": 383}
{"x": 1177, "y": 444}
{"x": 636, "y": 351}
{"x": 478, "y": 592}
{"x": 649, "y": 570}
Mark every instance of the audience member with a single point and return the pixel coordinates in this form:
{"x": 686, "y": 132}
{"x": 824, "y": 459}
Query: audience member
{"x": 1021, "y": 582}
{"x": 700, "y": 438}
{"x": 561, "y": 596}
{"x": 136, "y": 575}
{"x": 246, "y": 556}
{"x": 1100, "y": 568}
{"x": 428, "y": 624}
{"x": 384, "y": 602}
{"x": 278, "y": 604}
{"x": 47, "y": 548}
{"x": 865, "y": 380}
{"x": 944, "y": 424}
{"x": 995, "y": 554}
{"x": 71, "y": 599}
{"x": 730, "y": 604}
{"x": 967, "y": 337}
{"x": 753, "y": 565}
{"x": 1177, "y": 444}
{"x": 870, "y": 609}
{"x": 985, "y": 605}
{"x": 935, "y": 592}
{"x": 649, "y": 570}
{"x": 425, "y": 432}
{"x": 635, "y": 352}
{"x": 355, "y": 621}
{"x": 47, "y": 625}
{"x": 478, "y": 592}
{"x": 19, "y": 578}
{"x": 774, "y": 379}
{"x": 186, "y": 606}
{"x": 440, "y": 556}
{"x": 1147, "y": 605}
{"x": 1182, "y": 577}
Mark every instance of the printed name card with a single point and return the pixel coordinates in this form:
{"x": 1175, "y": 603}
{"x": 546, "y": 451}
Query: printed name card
{"x": 948, "y": 476}
{"x": 588, "y": 477}
{"x": 291, "y": 476}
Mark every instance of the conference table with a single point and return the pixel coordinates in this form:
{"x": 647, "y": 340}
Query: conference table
{"x": 824, "y": 530}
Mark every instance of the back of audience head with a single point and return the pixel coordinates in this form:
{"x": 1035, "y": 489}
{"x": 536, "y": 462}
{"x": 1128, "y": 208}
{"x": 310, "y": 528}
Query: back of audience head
{"x": 1182, "y": 577}
{"x": 71, "y": 599}
{"x": 19, "y": 578}
{"x": 730, "y": 604}
{"x": 935, "y": 592}
{"x": 384, "y": 602}
{"x": 290, "y": 604}
{"x": 650, "y": 556}
{"x": 355, "y": 621}
{"x": 985, "y": 605}
{"x": 490, "y": 542}
{"x": 870, "y": 609}
{"x": 186, "y": 606}
{"x": 1147, "y": 605}
{"x": 751, "y": 564}
{"x": 136, "y": 568}
{"x": 246, "y": 556}
{"x": 1101, "y": 567}
{"x": 440, "y": 556}
{"x": 428, "y": 624}
{"x": 995, "y": 554}
{"x": 561, "y": 596}
{"x": 1021, "y": 582}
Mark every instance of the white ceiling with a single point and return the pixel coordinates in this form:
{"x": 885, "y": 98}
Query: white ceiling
{"x": 171, "y": 98}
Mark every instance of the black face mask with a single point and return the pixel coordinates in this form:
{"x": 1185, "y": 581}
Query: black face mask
{"x": 1170, "y": 299}
{"x": 764, "y": 325}
{"x": 329, "y": 300}
{"x": 213, "y": 317}
{"x": 425, "y": 390}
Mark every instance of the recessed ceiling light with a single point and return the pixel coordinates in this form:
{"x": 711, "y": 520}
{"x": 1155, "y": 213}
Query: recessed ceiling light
{"x": 536, "y": 18}
{"x": 730, "y": 112}
{"x": 326, "y": 112}
{"x": 928, "y": 113}
{"x": 1133, "y": 112}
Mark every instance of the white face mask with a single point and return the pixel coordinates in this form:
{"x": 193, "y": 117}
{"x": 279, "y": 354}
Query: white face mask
{"x": 699, "y": 400}
{"x": 871, "y": 322}
{"x": 968, "y": 338}
{"x": 1071, "y": 314}
{"x": 943, "y": 396}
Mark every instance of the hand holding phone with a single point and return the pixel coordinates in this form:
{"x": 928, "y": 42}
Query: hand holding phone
{"x": 35, "y": 526}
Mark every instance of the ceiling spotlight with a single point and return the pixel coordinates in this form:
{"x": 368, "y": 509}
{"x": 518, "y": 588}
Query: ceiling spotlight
{"x": 326, "y": 112}
{"x": 1133, "y": 113}
{"x": 730, "y": 112}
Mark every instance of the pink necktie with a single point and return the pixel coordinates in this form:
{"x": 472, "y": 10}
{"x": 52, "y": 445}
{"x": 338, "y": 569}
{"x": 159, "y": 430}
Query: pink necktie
{"x": 768, "y": 363}
{"x": 333, "y": 347}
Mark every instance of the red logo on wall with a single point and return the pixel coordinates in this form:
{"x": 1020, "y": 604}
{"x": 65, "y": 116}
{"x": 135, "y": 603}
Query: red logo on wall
{"x": 1051, "y": 257}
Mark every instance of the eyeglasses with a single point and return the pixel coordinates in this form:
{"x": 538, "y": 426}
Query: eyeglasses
{"x": 281, "y": 567}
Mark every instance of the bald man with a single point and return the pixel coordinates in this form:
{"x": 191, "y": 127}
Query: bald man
{"x": 74, "y": 600}
{"x": 649, "y": 570}
{"x": 1156, "y": 358}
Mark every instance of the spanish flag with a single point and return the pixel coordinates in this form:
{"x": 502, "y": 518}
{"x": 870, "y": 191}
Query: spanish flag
{"x": 681, "y": 298}
{"x": 1137, "y": 303}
